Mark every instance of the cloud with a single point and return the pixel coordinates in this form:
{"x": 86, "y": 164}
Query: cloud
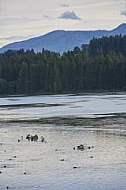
{"x": 10, "y": 21}
{"x": 123, "y": 13}
{"x": 64, "y": 5}
{"x": 46, "y": 16}
{"x": 16, "y": 38}
{"x": 69, "y": 15}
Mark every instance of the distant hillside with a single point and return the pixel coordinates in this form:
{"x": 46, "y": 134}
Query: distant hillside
{"x": 61, "y": 40}
{"x": 100, "y": 66}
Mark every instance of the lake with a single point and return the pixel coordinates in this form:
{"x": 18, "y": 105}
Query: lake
{"x": 98, "y": 121}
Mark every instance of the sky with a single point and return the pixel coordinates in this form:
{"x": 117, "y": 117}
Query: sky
{"x": 24, "y": 19}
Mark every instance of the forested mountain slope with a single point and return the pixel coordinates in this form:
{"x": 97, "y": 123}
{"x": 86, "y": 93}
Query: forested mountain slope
{"x": 99, "y": 66}
{"x": 62, "y": 41}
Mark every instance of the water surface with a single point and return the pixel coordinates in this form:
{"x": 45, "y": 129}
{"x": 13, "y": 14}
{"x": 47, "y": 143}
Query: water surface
{"x": 97, "y": 121}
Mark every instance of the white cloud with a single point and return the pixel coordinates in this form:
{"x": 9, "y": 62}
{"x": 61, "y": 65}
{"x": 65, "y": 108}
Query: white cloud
{"x": 69, "y": 15}
{"x": 123, "y": 13}
{"x": 11, "y": 39}
{"x": 10, "y": 21}
{"x": 16, "y": 38}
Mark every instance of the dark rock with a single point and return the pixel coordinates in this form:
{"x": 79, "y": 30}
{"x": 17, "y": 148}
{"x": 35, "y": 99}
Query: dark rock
{"x": 80, "y": 147}
{"x": 74, "y": 167}
{"x": 62, "y": 159}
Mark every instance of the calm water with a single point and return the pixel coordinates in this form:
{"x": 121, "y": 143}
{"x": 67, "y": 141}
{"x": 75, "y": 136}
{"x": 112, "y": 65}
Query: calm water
{"x": 54, "y": 164}
{"x": 35, "y": 107}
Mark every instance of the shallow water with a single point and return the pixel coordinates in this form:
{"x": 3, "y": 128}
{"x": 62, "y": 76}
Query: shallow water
{"x": 36, "y": 107}
{"x": 54, "y": 164}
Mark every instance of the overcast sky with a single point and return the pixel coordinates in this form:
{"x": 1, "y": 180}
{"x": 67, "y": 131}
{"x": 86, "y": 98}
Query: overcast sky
{"x": 23, "y": 19}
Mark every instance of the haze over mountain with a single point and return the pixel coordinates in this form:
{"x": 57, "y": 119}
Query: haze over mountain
{"x": 62, "y": 41}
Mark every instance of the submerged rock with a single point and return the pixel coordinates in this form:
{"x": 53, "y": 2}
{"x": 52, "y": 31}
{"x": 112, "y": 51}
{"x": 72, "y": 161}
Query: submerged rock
{"x": 62, "y": 159}
{"x": 32, "y": 137}
{"x": 80, "y": 147}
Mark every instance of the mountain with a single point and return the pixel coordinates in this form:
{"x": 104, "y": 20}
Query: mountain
{"x": 62, "y": 41}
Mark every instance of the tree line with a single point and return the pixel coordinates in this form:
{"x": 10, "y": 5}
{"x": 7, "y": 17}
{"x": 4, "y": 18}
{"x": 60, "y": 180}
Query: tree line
{"x": 98, "y": 66}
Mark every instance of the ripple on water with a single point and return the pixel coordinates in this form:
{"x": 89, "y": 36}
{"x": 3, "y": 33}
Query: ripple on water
{"x": 37, "y": 165}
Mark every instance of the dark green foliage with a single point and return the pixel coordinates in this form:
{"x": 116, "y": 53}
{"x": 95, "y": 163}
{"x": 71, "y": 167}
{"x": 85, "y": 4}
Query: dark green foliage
{"x": 101, "y": 65}
{"x": 106, "y": 44}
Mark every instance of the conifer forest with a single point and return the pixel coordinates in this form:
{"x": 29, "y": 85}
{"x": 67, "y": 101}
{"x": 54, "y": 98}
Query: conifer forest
{"x": 97, "y": 66}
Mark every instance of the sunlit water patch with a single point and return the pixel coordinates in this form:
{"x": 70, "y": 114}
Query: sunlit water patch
{"x": 37, "y": 107}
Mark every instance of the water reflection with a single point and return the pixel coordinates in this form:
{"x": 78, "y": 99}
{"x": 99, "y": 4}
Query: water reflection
{"x": 37, "y": 107}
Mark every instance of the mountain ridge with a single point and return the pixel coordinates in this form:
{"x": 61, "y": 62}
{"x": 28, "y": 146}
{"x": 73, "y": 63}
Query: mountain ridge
{"x": 62, "y": 40}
